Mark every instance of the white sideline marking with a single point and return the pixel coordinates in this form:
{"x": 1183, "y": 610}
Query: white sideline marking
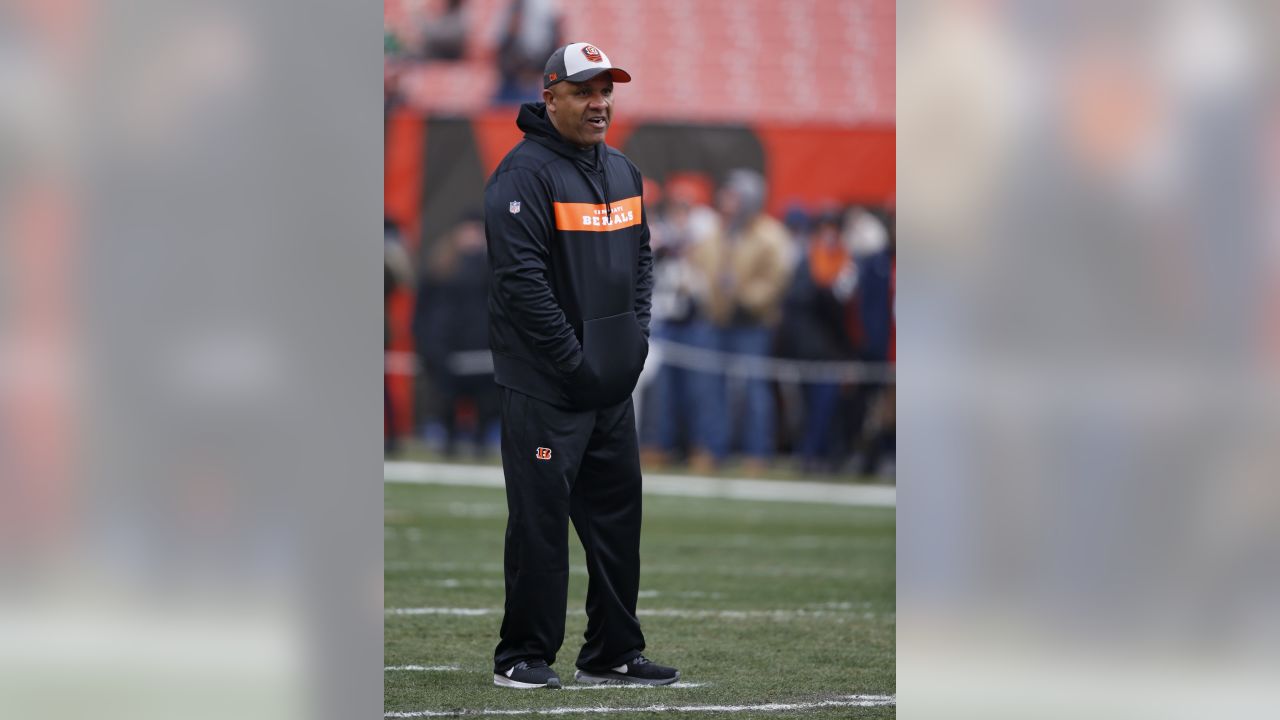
{"x": 423, "y": 473}
{"x": 846, "y": 701}
{"x": 441, "y": 611}
{"x": 781, "y": 614}
{"x": 420, "y": 668}
{"x": 672, "y": 686}
{"x": 770, "y": 571}
{"x": 739, "y": 614}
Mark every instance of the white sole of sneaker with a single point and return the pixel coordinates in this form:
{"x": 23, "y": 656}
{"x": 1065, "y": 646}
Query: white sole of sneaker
{"x": 618, "y": 679}
{"x": 503, "y": 681}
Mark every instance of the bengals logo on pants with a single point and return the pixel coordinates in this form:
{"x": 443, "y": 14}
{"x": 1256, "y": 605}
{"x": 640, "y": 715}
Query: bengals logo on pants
{"x": 543, "y": 453}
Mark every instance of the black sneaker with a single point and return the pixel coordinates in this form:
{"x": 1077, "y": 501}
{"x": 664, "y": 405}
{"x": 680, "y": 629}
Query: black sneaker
{"x": 639, "y": 671}
{"x": 527, "y": 675}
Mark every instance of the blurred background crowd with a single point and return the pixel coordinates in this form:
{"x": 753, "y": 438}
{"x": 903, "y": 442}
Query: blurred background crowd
{"x": 769, "y": 197}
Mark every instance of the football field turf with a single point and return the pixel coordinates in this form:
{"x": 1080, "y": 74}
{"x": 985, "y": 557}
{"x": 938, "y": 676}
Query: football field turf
{"x": 777, "y": 604}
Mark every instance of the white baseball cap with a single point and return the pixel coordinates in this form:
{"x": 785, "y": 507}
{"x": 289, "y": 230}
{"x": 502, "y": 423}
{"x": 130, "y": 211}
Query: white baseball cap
{"x": 579, "y": 62}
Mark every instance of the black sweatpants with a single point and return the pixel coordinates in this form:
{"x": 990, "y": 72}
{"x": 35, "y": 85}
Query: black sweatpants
{"x": 561, "y": 464}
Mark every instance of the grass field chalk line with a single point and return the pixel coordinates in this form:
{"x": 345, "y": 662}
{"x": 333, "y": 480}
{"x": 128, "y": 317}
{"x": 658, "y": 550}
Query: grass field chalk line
{"x": 779, "y": 614}
{"x": 846, "y": 701}
{"x": 629, "y": 686}
{"x": 425, "y": 473}
{"x": 420, "y": 668}
{"x": 441, "y": 611}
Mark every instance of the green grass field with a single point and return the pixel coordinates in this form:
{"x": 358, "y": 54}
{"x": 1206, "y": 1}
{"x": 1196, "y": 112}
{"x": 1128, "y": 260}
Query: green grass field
{"x": 755, "y": 602}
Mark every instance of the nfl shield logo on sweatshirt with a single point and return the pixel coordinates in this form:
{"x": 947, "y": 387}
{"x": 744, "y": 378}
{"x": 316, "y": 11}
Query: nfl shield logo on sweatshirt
{"x": 514, "y": 207}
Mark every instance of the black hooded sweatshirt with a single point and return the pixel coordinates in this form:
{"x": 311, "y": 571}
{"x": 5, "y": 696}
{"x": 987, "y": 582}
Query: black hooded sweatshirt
{"x": 572, "y": 269}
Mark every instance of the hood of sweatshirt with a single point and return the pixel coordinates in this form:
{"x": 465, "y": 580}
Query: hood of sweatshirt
{"x": 537, "y": 127}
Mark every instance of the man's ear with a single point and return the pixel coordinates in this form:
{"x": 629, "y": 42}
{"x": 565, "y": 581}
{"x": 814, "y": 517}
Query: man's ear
{"x": 548, "y": 97}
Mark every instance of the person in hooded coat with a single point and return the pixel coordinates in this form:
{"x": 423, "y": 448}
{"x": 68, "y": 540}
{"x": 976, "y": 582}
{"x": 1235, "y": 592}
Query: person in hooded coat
{"x": 569, "y": 311}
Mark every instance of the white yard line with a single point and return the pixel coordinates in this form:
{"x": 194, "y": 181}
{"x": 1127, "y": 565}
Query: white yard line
{"x": 745, "y": 614}
{"x": 846, "y": 701}
{"x": 419, "y": 668}
{"x": 780, "y": 614}
{"x": 423, "y": 473}
{"x": 442, "y": 611}
{"x": 769, "y": 571}
{"x": 672, "y": 686}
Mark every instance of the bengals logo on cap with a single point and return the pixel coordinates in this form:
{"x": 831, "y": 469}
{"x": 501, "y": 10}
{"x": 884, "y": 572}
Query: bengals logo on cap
{"x": 592, "y": 53}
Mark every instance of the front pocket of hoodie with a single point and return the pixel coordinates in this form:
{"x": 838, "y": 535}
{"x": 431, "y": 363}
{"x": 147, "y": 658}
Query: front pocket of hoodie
{"x": 613, "y": 350}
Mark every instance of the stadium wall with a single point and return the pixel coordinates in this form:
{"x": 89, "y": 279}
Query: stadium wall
{"x": 436, "y": 168}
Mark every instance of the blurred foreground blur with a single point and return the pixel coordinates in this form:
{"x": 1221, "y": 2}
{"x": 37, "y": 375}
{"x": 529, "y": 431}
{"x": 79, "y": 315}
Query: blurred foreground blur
{"x": 1088, "y": 499}
{"x": 184, "y": 308}
{"x": 189, "y": 352}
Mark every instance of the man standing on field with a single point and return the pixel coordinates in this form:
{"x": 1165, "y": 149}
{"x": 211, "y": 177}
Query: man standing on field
{"x": 569, "y": 330}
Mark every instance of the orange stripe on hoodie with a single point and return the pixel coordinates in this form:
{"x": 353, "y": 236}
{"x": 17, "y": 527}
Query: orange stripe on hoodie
{"x": 588, "y": 217}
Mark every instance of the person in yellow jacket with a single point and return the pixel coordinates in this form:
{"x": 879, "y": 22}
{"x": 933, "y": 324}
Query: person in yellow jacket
{"x": 746, "y": 266}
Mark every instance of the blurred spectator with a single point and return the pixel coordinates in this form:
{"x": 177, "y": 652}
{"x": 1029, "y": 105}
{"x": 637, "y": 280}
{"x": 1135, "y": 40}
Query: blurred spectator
{"x": 530, "y": 33}
{"x": 871, "y": 243}
{"x": 791, "y": 403}
{"x": 814, "y": 328}
{"x": 799, "y": 224}
{"x": 397, "y": 274}
{"x": 444, "y": 37}
{"x": 451, "y": 327}
{"x": 681, "y": 223}
{"x": 391, "y": 44}
{"x": 745, "y": 263}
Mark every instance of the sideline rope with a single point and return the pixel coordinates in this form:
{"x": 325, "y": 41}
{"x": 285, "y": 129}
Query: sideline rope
{"x": 689, "y": 357}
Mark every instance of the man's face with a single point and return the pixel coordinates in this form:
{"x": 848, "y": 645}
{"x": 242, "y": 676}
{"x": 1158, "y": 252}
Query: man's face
{"x": 581, "y": 111}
